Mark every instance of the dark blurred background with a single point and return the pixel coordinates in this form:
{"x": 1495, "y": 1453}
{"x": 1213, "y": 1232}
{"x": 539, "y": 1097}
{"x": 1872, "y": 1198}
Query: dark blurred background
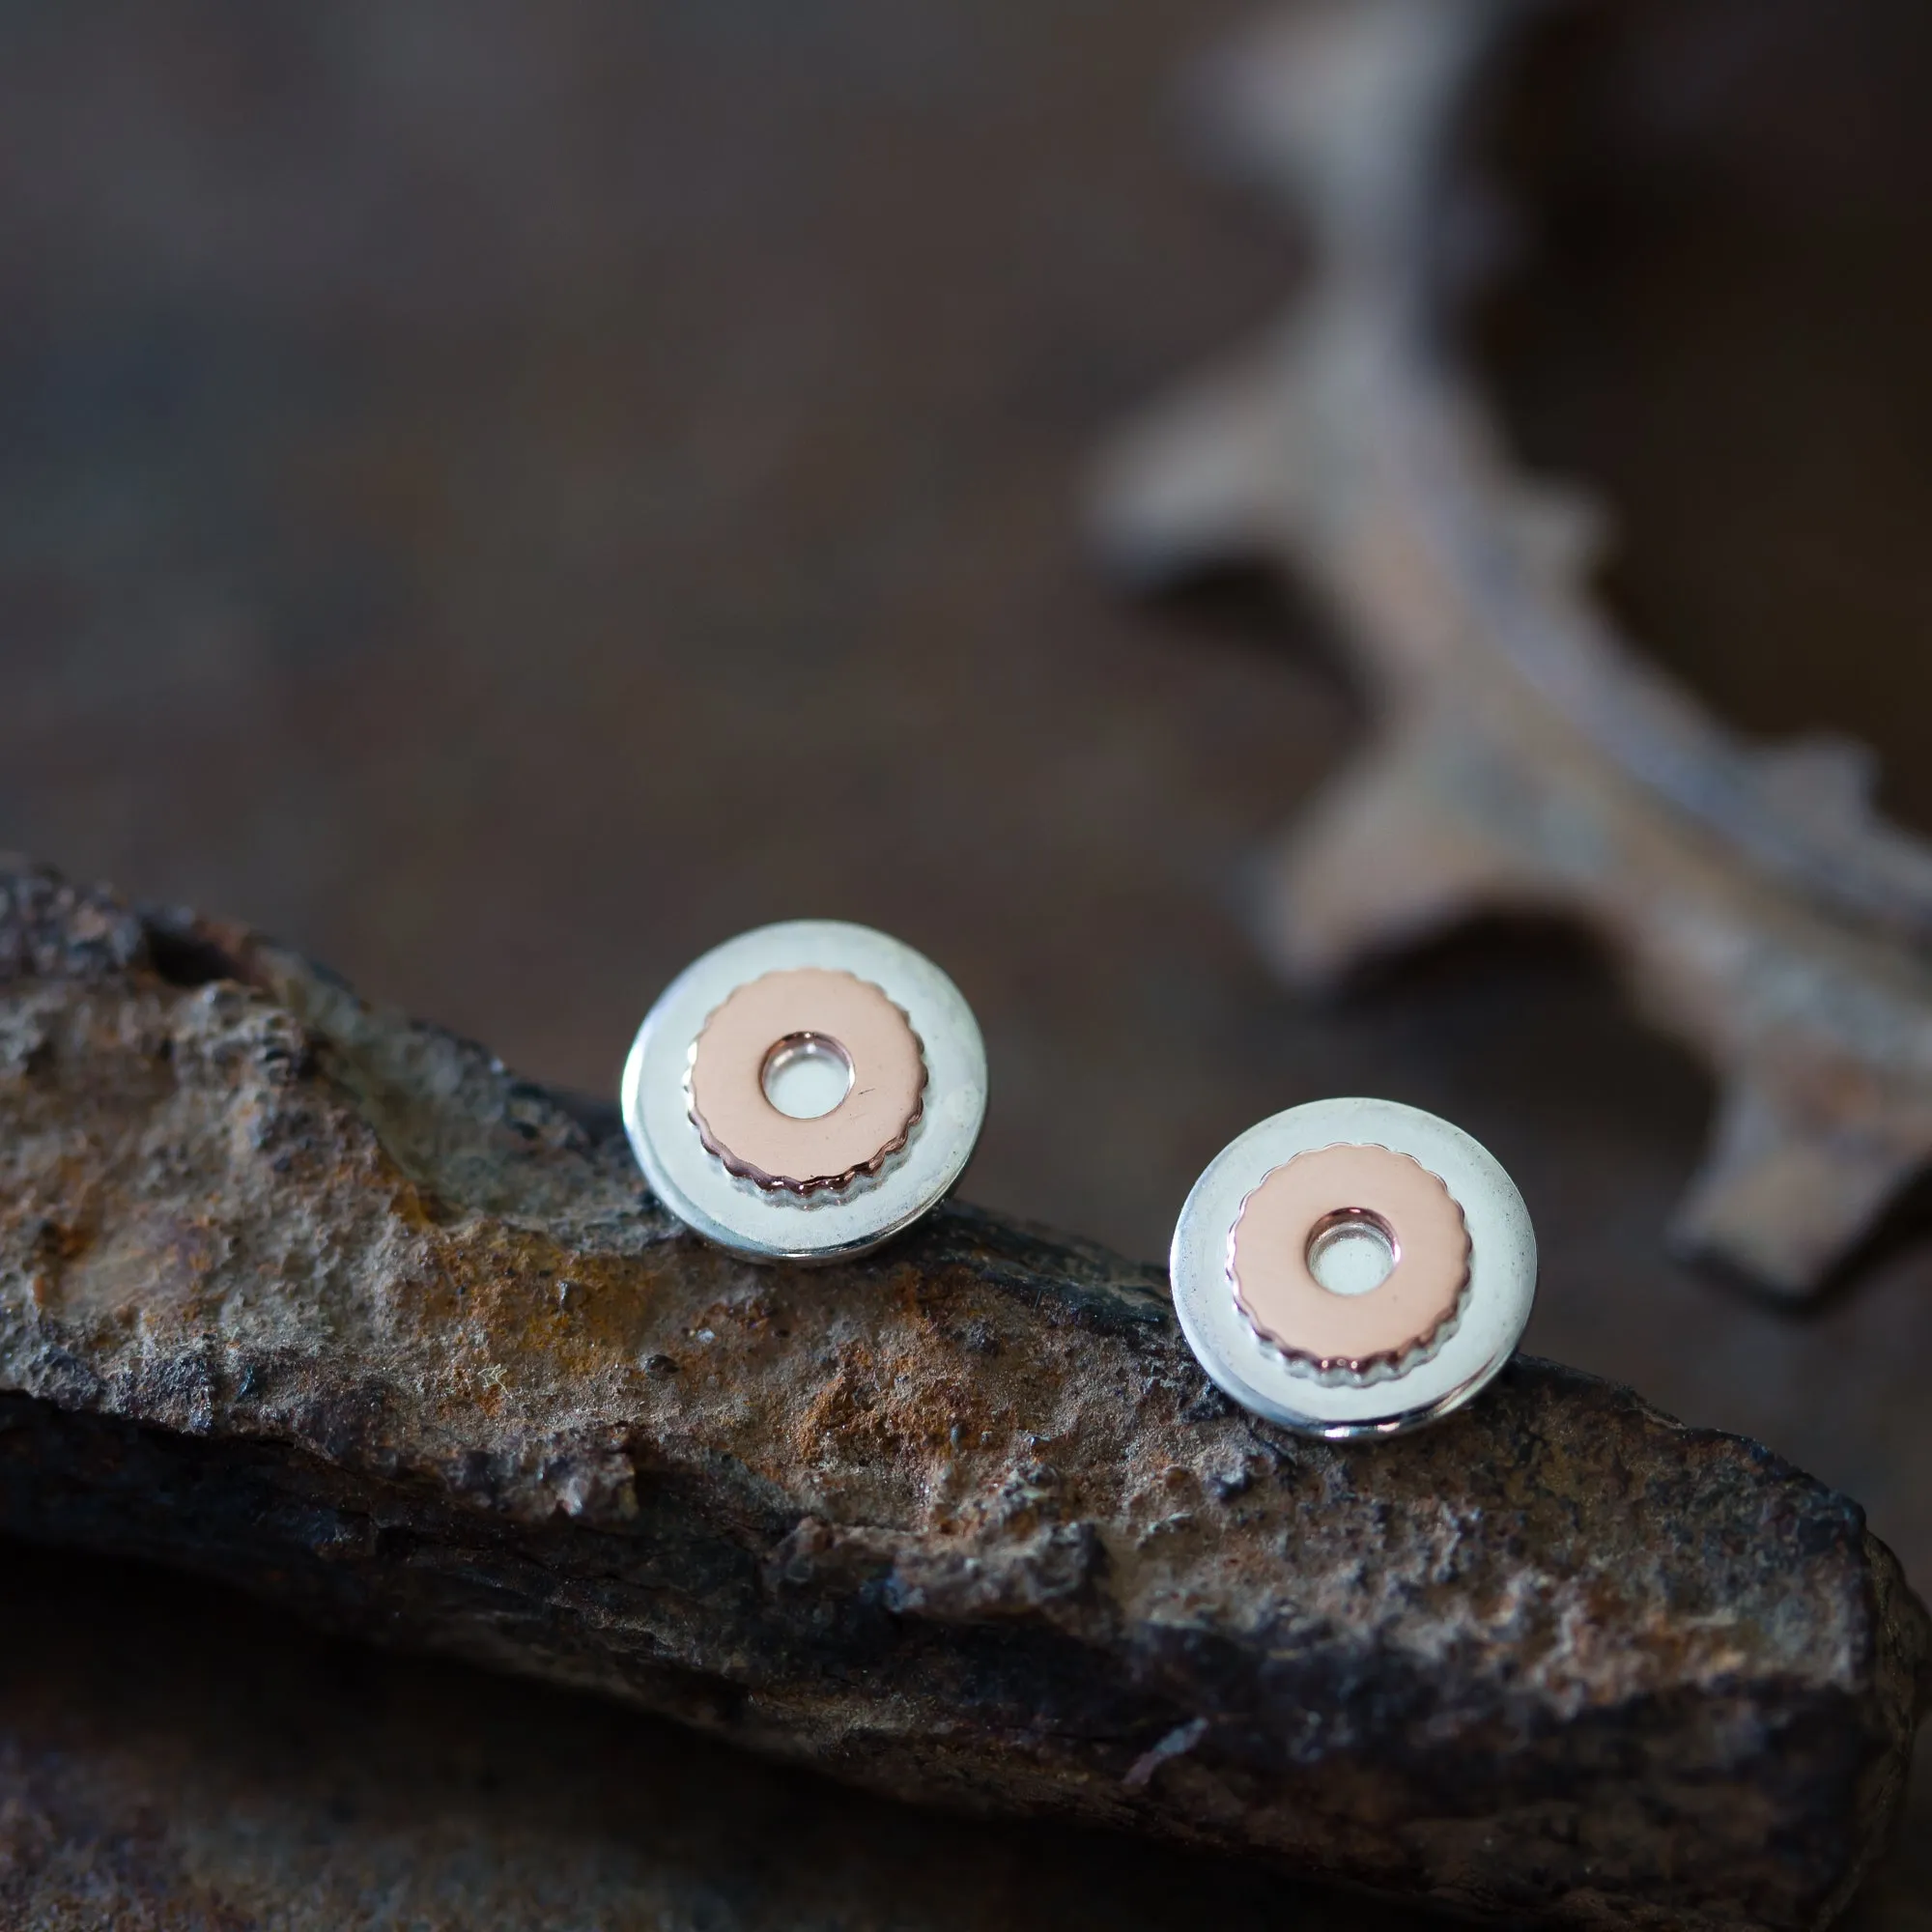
{"x": 505, "y": 496}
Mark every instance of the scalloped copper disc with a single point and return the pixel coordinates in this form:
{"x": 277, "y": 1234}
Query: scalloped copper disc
{"x": 775, "y": 1013}
{"x": 1274, "y": 1284}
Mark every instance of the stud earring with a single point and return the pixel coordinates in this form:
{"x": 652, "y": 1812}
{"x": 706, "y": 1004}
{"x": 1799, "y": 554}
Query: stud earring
{"x": 1354, "y": 1268}
{"x": 805, "y": 1092}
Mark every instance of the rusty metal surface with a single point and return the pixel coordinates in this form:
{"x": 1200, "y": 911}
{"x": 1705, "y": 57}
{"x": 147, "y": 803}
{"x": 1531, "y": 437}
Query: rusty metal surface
{"x": 327, "y": 1303}
{"x": 176, "y": 1759}
{"x": 404, "y": 424}
{"x": 1525, "y": 758}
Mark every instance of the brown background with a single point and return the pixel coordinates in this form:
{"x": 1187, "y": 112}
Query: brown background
{"x": 506, "y": 495}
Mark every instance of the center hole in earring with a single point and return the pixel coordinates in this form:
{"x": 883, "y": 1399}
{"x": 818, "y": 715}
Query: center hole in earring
{"x": 1352, "y": 1251}
{"x": 807, "y": 1074}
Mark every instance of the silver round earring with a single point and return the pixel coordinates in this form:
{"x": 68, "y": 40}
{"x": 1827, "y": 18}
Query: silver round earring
{"x": 805, "y": 1092}
{"x": 1354, "y": 1268}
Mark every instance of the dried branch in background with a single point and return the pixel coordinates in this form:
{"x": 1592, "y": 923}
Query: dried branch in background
{"x": 326, "y": 1303}
{"x": 1525, "y": 757}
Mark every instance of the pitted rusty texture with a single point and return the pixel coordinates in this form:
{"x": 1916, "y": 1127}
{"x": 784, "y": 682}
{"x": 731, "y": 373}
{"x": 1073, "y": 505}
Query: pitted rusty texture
{"x": 308, "y": 1296}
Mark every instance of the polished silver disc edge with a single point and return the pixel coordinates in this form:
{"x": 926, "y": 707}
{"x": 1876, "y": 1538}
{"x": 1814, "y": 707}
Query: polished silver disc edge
{"x": 760, "y": 1226}
{"x": 1502, "y": 1283}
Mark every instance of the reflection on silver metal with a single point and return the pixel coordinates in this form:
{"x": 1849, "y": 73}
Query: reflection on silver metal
{"x": 1344, "y": 1358}
{"x": 726, "y": 1103}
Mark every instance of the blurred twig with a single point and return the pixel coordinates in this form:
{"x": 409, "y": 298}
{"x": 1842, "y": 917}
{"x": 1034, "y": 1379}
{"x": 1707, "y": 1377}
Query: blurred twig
{"x": 1525, "y": 757}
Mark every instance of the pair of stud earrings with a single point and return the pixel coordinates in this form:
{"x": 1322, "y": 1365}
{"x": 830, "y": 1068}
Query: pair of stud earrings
{"x": 1349, "y": 1268}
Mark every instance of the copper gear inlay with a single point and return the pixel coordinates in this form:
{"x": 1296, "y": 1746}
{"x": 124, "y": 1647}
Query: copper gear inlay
{"x": 1290, "y": 1310}
{"x": 726, "y": 1081}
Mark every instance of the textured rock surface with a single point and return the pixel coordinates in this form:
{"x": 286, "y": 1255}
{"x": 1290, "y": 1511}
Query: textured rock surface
{"x": 173, "y": 1760}
{"x": 307, "y": 1296}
